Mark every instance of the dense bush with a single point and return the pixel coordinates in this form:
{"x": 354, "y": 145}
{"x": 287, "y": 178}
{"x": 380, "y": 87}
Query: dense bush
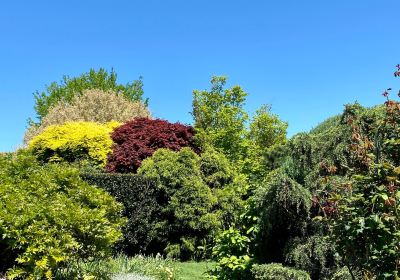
{"x": 93, "y": 105}
{"x": 198, "y": 200}
{"x": 283, "y": 208}
{"x": 142, "y": 206}
{"x": 231, "y": 251}
{"x": 69, "y": 87}
{"x": 50, "y": 218}
{"x": 313, "y": 254}
{"x": 140, "y": 138}
{"x": 74, "y": 141}
{"x": 276, "y": 271}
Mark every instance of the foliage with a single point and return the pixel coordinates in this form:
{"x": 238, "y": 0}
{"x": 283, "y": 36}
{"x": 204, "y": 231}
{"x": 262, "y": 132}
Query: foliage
{"x": 140, "y": 138}
{"x": 74, "y": 141}
{"x": 70, "y": 87}
{"x": 275, "y": 271}
{"x": 313, "y": 254}
{"x": 92, "y": 105}
{"x": 233, "y": 256}
{"x": 49, "y": 218}
{"x": 283, "y": 208}
{"x": 122, "y": 267}
{"x": 266, "y": 137}
{"x": 196, "y": 203}
{"x": 219, "y": 118}
{"x": 142, "y": 205}
{"x": 222, "y": 123}
{"x": 363, "y": 209}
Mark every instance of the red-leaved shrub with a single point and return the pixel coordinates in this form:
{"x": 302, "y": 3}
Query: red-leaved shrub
{"x": 140, "y": 138}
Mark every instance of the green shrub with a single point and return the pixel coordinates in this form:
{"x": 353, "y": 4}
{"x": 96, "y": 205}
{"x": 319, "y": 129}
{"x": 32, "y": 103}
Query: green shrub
{"x": 49, "y": 217}
{"x": 313, "y": 254}
{"x": 283, "y": 208}
{"x": 276, "y": 271}
{"x": 198, "y": 202}
{"x": 142, "y": 207}
{"x": 231, "y": 252}
{"x": 74, "y": 141}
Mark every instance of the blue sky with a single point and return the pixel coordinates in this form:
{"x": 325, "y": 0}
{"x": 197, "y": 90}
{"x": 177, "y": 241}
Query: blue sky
{"x": 305, "y": 58}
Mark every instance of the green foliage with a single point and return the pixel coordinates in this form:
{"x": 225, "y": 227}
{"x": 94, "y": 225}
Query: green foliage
{"x": 314, "y": 254}
{"x": 74, "y": 141}
{"x": 283, "y": 208}
{"x": 69, "y": 87}
{"x": 233, "y": 256}
{"x": 219, "y": 118}
{"x": 198, "y": 200}
{"x": 142, "y": 206}
{"x": 50, "y": 218}
{"x": 275, "y": 271}
{"x": 92, "y": 105}
{"x": 266, "y": 129}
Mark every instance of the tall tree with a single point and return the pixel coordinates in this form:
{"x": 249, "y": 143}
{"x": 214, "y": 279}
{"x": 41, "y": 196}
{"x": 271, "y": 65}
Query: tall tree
{"x": 220, "y": 119}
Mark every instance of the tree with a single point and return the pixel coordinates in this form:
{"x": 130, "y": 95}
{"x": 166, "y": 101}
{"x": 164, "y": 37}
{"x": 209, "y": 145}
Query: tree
{"x": 70, "y": 87}
{"x": 220, "y": 119}
{"x": 92, "y": 105}
{"x": 198, "y": 201}
{"x": 138, "y": 139}
{"x": 363, "y": 208}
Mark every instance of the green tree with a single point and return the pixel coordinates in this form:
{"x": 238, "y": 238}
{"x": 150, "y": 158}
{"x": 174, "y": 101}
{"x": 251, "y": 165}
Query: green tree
{"x": 200, "y": 198}
{"x": 69, "y": 87}
{"x": 220, "y": 119}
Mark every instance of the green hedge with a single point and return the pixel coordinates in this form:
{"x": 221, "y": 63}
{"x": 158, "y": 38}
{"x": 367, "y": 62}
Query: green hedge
{"x": 141, "y": 200}
{"x": 276, "y": 271}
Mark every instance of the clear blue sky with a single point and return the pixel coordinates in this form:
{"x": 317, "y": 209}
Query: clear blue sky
{"x": 305, "y": 58}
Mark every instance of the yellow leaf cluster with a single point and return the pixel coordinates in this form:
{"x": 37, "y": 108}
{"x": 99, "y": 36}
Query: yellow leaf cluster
{"x": 74, "y": 141}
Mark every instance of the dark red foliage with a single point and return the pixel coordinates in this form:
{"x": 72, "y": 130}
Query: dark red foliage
{"x": 138, "y": 139}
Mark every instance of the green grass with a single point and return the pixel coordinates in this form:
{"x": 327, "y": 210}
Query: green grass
{"x": 138, "y": 268}
{"x": 193, "y": 270}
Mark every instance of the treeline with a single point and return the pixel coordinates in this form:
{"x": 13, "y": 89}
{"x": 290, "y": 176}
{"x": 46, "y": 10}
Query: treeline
{"x": 320, "y": 205}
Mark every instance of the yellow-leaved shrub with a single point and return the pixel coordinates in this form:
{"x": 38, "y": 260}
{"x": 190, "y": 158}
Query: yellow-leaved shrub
{"x": 73, "y": 142}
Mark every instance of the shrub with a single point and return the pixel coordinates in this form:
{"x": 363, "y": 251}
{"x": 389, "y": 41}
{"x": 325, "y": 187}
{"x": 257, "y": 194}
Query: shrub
{"x": 68, "y": 88}
{"x": 276, "y": 271}
{"x": 74, "y": 141}
{"x": 314, "y": 254}
{"x": 283, "y": 208}
{"x": 142, "y": 207}
{"x": 93, "y": 105}
{"x": 140, "y": 138}
{"x": 50, "y": 218}
{"x": 193, "y": 211}
{"x": 232, "y": 254}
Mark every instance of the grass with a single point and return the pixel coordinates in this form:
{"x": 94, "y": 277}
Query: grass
{"x": 138, "y": 268}
{"x": 193, "y": 270}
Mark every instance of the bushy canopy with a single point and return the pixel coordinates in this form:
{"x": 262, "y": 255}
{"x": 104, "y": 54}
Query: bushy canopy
{"x": 50, "y": 218}
{"x": 201, "y": 197}
{"x": 92, "y": 105}
{"x": 74, "y": 141}
{"x": 69, "y": 87}
{"x": 138, "y": 139}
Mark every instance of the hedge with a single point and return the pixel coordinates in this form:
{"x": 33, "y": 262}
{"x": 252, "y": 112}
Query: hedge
{"x": 141, "y": 200}
{"x": 275, "y": 271}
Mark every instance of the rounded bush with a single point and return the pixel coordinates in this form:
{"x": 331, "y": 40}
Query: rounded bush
{"x": 140, "y": 138}
{"x": 74, "y": 141}
{"x": 50, "y": 218}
